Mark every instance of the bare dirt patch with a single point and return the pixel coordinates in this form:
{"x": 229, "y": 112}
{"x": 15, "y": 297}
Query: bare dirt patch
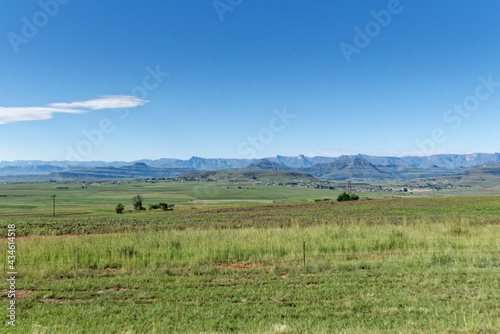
{"x": 110, "y": 272}
{"x": 20, "y": 294}
{"x": 241, "y": 266}
{"x": 61, "y": 300}
{"x": 120, "y": 289}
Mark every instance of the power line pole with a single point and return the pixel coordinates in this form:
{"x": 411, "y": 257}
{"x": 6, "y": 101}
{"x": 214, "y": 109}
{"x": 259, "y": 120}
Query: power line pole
{"x": 53, "y": 205}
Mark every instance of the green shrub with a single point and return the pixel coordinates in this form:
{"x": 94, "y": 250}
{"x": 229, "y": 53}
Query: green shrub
{"x": 119, "y": 208}
{"x": 346, "y": 197}
{"x": 154, "y": 206}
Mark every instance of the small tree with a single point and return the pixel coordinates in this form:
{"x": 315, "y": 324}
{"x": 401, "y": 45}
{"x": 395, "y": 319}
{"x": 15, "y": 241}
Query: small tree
{"x": 119, "y": 208}
{"x": 137, "y": 200}
{"x": 163, "y": 206}
{"x": 346, "y": 197}
{"x": 343, "y": 197}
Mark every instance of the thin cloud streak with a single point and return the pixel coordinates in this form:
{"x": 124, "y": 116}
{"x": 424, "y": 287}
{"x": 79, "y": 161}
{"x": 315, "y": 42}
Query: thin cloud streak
{"x": 19, "y": 114}
{"x": 104, "y": 102}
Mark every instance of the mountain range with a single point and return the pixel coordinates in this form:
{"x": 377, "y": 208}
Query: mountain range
{"x": 441, "y": 160}
{"x": 357, "y": 168}
{"x": 361, "y": 167}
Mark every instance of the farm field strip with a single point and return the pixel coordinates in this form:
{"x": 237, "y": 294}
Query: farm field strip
{"x": 383, "y": 211}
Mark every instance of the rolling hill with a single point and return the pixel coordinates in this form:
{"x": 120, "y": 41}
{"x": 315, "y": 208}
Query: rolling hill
{"x": 285, "y": 177}
{"x": 490, "y": 170}
{"x": 264, "y": 164}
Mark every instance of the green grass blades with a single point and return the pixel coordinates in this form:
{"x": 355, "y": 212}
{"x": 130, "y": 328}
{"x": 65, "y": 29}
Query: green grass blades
{"x": 359, "y": 277}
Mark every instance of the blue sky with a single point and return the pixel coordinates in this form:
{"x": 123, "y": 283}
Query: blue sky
{"x": 208, "y": 78}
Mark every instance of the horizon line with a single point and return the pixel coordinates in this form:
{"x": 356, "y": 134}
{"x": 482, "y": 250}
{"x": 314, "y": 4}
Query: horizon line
{"x": 266, "y": 157}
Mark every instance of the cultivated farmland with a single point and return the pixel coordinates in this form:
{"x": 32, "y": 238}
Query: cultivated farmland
{"x": 386, "y": 265}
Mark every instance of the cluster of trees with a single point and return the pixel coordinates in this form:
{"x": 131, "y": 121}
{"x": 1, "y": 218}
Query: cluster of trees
{"x": 346, "y": 197}
{"x": 163, "y": 206}
{"x": 138, "y": 201}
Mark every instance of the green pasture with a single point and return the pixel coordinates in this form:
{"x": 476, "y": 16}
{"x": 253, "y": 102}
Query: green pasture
{"x": 231, "y": 260}
{"x": 36, "y": 197}
{"x": 359, "y": 277}
{"x": 375, "y": 211}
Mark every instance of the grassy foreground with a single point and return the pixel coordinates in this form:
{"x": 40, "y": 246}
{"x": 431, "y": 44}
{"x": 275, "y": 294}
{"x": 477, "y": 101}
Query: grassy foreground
{"x": 420, "y": 268}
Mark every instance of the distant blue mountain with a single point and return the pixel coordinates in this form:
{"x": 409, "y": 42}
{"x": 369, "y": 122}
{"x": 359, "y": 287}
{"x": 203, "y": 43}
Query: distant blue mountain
{"x": 316, "y": 165}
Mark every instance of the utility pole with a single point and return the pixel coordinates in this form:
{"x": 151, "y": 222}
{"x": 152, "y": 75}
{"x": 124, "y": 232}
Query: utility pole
{"x": 53, "y": 205}
{"x": 304, "y": 251}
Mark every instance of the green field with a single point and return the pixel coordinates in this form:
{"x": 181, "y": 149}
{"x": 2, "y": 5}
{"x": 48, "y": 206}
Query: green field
{"x": 89, "y": 197}
{"x": 230, "y": 260}
{"x": 103, "y": 197}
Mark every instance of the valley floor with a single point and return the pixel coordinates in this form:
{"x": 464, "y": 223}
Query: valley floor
{"x": 416, "y": 265}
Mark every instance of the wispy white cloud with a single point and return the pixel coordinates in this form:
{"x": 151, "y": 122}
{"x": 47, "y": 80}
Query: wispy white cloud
{"x": 104, "y": 102}
{"x": 18, "y": 114}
